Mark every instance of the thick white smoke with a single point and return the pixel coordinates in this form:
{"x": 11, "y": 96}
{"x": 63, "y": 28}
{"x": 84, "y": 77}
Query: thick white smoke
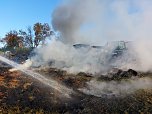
{"x": 74, "y": 60}
{"x": 74, "y": 18}
{"x": 117, "y": 88}
{"x": 96, "y": 22}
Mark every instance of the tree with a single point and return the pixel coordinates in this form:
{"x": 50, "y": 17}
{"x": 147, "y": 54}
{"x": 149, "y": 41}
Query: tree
{"x": 12, "y": 39}
{"x": 42, "y": 31}
{"x": 30, "y": 37}
{"x": 27, "y": 36}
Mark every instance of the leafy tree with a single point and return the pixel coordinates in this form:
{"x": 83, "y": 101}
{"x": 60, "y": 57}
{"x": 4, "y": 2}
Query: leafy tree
{"x": 27, "y": 36}
{"x": 42, "y": 31}
{"x": 30, "y": 37}
{"x": 12, "y": 39}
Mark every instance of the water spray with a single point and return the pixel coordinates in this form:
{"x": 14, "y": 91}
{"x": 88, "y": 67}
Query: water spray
{"x": 49, "y": 82}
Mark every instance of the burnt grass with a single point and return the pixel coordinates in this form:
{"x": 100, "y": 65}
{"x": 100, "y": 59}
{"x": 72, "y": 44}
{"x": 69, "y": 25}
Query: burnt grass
{"x": 21, "y": 94}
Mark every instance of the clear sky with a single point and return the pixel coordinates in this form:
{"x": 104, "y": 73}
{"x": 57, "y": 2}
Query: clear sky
{"x": 19, "y": 14}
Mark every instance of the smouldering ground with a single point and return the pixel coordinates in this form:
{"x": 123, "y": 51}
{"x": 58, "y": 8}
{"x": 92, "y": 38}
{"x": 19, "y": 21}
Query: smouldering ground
{"x": 21, "y": 94}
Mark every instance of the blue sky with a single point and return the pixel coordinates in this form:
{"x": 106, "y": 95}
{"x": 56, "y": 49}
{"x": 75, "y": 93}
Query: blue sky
{"x": 119, "y": 18}
{"x": 19, "y": 14}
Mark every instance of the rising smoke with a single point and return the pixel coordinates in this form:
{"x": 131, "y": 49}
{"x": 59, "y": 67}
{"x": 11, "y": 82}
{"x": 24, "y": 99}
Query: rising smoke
{"x": 99, "y": 21}
{"x": 73, "y": 18}
{"x": 96, "y": 22}
{"x": 116, "y": 88}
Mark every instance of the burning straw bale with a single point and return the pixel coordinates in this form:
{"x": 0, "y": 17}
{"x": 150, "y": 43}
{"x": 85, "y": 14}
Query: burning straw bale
{"x": 118, "y": 74}
{"x": 71, "y": 80}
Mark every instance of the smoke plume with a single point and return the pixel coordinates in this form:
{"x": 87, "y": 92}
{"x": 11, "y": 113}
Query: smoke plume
{"x": 96, "y": 22}
{"x": 75, "y": 18}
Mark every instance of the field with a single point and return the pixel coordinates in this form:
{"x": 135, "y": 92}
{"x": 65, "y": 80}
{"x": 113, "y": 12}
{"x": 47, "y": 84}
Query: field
{"x": 21, "y": 94}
